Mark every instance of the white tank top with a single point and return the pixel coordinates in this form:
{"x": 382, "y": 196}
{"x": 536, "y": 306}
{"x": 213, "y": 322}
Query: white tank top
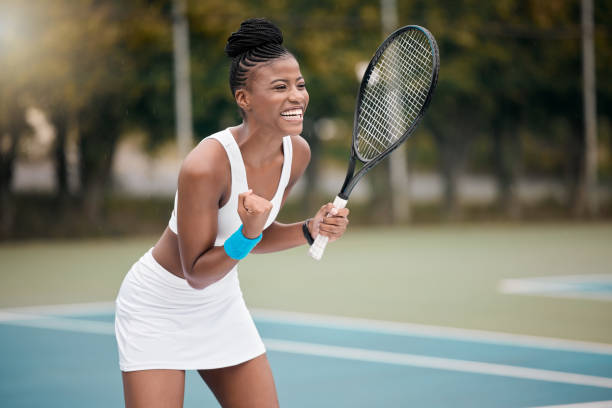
{"x": 228, "y": 220}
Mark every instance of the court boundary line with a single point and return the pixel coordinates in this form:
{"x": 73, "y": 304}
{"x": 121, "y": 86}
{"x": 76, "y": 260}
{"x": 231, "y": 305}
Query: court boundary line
{"x": 444, "y": 332}
{"x": 593, "y": 404}
{"x": 413, "y": 360}
{"x": 353, "y": 353}
{"x": 557, "y": 286}
{"x": 345, "y": 323}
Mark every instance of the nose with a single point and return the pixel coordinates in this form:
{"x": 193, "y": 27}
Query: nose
{"x": 296, "y": 95}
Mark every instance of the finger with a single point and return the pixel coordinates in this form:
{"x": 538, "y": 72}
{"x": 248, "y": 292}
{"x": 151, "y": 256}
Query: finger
{"x": 334, "y": 221}
{"x": 332, "y": 229}
{"x": 342, "y": 212}
{"x": 251, "y": 201}
{"x": 258, "y": 205}
{"x": 242, "y": 197}
{"x": 247, "y": 206}
{"x": 264, "y": 206}
{"x": 326, "y": 209}
{"x": 330, "y": 235}
{"x": 338, "y": 213}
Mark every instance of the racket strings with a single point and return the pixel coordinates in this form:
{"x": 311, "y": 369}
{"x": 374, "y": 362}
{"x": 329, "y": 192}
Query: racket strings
{"x": 395, "y": 93}
{"x": 388, "y": 122}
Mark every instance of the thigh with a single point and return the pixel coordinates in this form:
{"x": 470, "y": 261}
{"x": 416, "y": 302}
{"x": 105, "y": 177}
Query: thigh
{"x": 249, "y": 384}
{"x": 154, "y": 388}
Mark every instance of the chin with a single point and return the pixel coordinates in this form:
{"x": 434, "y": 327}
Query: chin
{"x": 293, "y": 129}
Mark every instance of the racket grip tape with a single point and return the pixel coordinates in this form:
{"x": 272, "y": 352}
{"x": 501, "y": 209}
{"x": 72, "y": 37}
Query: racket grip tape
{"x": 318, "y": 247}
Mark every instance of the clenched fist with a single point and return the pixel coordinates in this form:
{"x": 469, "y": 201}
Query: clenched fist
{"x": 253, "y": 210}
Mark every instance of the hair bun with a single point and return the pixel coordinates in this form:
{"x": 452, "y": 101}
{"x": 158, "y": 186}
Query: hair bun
{"x": 253, "y": 33}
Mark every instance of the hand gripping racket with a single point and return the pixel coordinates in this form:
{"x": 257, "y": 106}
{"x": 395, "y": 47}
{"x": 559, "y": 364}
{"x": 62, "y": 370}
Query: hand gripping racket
{"x": 394, "y": 93}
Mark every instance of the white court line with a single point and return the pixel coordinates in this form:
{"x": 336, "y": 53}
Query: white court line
{"x": 346, "y": 323}
{"x": 561, "y": 286}
{"x": 376, "y": 356}
{"x": 596, "y": 404}
{"x": 413, "y": 329}
{"x": 359, "y": 354}
{"x": 65, "y": 309}
{"x": 60, "y": 323}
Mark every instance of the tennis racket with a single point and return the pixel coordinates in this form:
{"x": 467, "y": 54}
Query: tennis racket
{"x": 395, "y": 91}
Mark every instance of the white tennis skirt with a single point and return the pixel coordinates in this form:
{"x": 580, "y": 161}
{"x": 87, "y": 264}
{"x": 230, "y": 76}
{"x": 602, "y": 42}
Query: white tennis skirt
{"x": 163, "y": 323}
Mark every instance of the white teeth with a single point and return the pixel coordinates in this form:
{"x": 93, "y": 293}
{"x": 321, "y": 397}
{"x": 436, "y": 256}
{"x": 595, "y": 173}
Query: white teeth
{"x": 292, "y": 112}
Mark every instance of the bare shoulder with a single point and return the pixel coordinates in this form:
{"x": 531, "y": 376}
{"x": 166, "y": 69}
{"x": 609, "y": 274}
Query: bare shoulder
{"x": 300, "y": 147}
{"x": 207, "y": 163}
{"x": 301, "y": 156}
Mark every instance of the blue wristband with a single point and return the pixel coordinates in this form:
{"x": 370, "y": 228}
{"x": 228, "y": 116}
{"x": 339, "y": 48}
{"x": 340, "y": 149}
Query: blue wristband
{"x": 237, "y": 246}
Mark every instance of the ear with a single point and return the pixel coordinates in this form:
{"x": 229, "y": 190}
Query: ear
{"x": 242, "y": 99}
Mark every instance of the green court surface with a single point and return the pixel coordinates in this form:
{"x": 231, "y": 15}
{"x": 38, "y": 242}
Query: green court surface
{"x": 444, "y": 275}
{"x": 425, "y": 316}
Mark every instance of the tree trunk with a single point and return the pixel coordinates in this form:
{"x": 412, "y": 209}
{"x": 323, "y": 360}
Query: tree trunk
{"x": 381, "y": 207}
{"x": 452, "y": 151}
{"x": 588, "y": 203}
{"x": 450, "y": 173}
{"x": 507, "y": 164}
{"x": 311, "y": 194}
{"x": 9, "y": 137}
{"x": 576, "y": 189}
{"x": 99, "y": 126}
{"x": 60, "y": 122}
{"x": 182, "y": 82}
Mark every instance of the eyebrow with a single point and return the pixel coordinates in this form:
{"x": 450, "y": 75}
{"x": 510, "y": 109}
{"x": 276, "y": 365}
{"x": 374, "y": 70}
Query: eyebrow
{"x": 285, "y": 80}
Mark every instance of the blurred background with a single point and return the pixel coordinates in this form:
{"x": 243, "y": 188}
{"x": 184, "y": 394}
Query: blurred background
{"x": 100, "y": 100}
{"x": 490, "y": 226}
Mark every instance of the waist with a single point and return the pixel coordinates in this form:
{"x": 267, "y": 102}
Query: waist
{"x": 226, "y": 285}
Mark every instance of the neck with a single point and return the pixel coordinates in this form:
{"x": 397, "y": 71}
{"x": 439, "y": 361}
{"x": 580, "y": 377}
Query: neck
{"x": 257, "y": 144}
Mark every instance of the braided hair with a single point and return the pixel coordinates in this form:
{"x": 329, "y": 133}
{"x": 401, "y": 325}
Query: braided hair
{"x": 258, "y": 40}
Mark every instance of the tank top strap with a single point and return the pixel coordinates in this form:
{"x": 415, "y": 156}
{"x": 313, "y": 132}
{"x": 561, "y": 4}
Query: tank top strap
{"x": 238, "y": 171}
{"x": 286, "y": 171}
{"x": 228, "y": 220}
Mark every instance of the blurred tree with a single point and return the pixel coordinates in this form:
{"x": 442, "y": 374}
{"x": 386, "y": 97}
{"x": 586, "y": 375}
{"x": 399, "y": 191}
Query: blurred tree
{"x": 455, "y": 117}
{"x": 16, "y": 50}
{"x": 105, "y": 65}
{"x": 12, "y": 125}
{"x": 508, "y": 99}
{"x": 509, "y": 70}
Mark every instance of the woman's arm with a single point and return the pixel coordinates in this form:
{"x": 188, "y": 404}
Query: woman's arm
{"x": 278, "y": 236}
{"x": 201, "y": 186}
{"x": 203, "y": 182}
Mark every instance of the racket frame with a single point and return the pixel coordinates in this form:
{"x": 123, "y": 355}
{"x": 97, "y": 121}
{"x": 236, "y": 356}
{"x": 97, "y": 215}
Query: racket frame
{"x": 351, "y": 180}
{"x": 318, "y": 247}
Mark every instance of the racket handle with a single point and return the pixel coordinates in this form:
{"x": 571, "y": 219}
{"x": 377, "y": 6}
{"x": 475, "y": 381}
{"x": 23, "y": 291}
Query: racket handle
{"x": 318, "y": 246}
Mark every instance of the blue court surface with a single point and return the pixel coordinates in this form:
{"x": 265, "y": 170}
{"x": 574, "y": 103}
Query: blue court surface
{"x": 65, "y": 356}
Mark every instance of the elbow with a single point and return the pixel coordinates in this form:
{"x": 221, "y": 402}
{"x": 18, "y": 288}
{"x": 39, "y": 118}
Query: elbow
{"x": 195, "y": 283}
{"x": 194, "y": 279}
{"x": 198, "y": 285}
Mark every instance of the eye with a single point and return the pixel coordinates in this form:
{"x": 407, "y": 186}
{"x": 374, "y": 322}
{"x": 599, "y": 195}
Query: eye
{"x": 280, "y": 87}
{"x": 301, "y": 86}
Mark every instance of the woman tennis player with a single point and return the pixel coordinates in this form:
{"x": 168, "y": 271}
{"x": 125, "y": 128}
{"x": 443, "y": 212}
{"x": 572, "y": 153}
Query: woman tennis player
{"x": 180, "y": 306}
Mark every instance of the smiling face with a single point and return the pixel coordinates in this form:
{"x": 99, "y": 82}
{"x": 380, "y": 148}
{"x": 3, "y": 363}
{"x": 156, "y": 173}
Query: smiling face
{"x": 275, "y": 97}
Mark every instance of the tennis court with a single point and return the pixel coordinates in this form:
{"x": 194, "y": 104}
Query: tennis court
{"x": 417, "y": 317}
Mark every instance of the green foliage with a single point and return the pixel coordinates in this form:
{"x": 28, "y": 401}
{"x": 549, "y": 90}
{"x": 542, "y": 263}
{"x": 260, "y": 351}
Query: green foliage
{"x": 511, "y": 67}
